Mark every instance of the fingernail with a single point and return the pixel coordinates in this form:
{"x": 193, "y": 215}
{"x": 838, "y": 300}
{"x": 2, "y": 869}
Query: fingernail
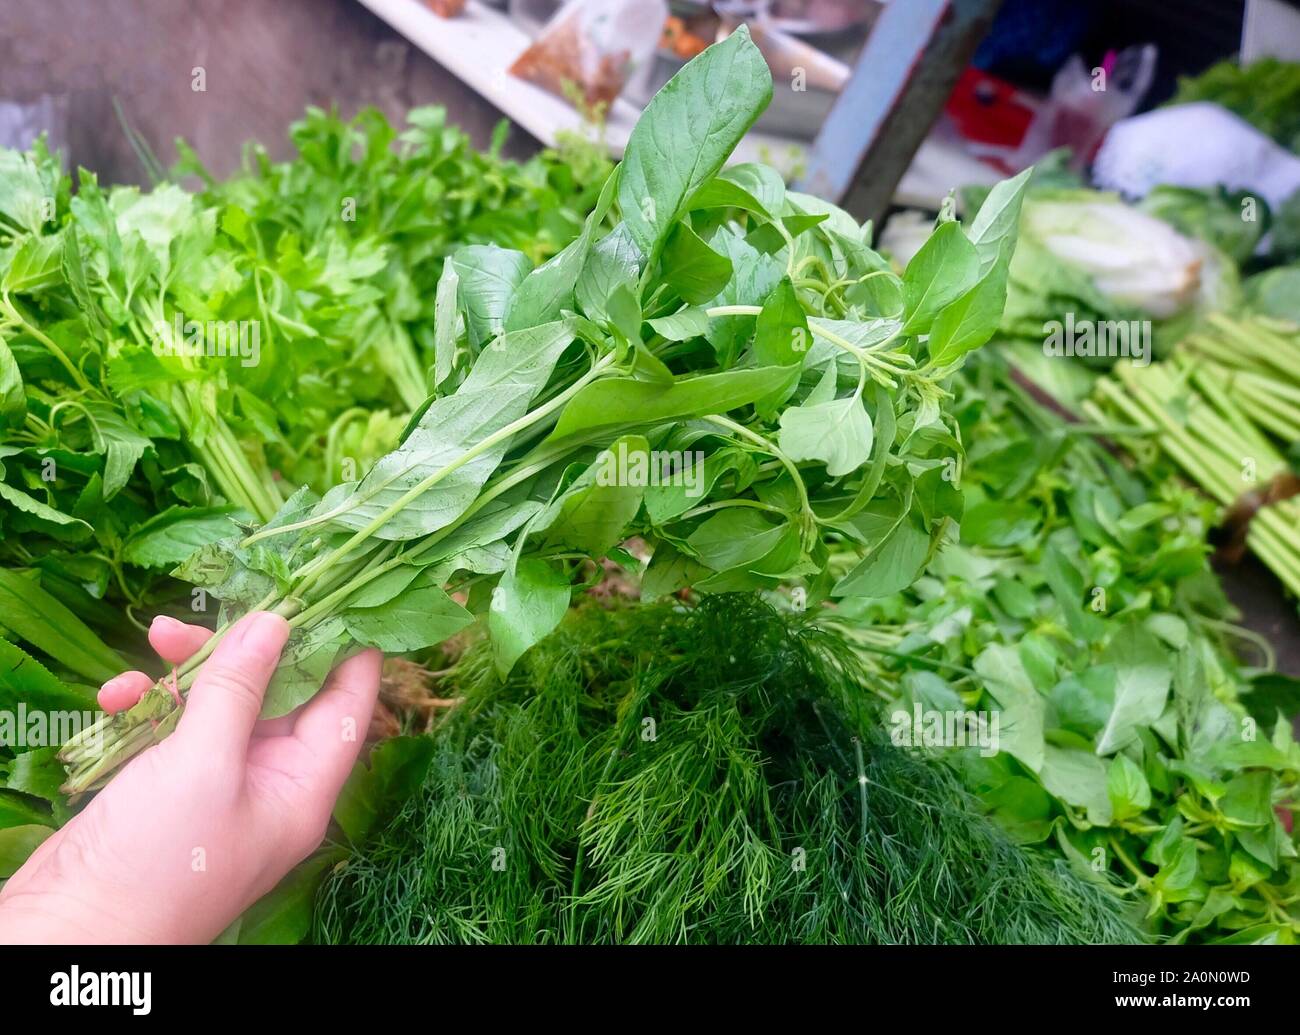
{"x": 115, "y": 695}
{"x": 264, "y": 633}
{"x": 165, "y": 622}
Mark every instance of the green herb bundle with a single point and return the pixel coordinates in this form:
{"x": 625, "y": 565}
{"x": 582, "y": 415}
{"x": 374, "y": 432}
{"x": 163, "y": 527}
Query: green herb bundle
{"x": 1079, "y": 607}
{"x": 747, "y": 329}
{"x": 709, "y": 776}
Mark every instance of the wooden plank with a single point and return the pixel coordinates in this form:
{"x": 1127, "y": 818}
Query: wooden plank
{"x": 902, "y": 78}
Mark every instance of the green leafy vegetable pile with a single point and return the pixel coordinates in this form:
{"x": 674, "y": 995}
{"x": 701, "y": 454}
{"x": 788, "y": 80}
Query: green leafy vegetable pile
{"x": 1079, "y": 607}
{"x": 660, "y": 775}
{"x": 747, "y": 329}
{"x": 306, "y": 290}
{"x": 355, "y": 227}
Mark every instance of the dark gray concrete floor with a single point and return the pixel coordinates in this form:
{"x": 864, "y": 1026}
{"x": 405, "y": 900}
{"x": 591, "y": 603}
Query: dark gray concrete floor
{"x": 1265, "y": 609}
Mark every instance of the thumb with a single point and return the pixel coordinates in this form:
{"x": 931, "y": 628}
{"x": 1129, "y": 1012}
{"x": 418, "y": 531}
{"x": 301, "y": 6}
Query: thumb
{"x": 226, "y": 698}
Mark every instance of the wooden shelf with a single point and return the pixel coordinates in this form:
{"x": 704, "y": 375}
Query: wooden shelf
{"x": 479, "y": 46}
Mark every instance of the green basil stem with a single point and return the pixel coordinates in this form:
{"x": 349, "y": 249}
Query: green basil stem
{"x": 324, "y": 575}
{"x": 809, "y": 519}
{"x": 153, "y": 717}
{"x": 496, "y": 438}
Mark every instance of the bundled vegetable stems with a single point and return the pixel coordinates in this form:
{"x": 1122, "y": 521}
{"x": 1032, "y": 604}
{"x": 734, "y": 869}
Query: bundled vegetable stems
{"x": 1255, "y": 361}
{"x": 791, "y": 378}
{"x": 1216, "y": 408}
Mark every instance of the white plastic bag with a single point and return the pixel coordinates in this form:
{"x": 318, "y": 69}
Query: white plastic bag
{"x": 1085, "y": 102}
{"x": 1195, "y": 145}
{"x": 595, "y": 45}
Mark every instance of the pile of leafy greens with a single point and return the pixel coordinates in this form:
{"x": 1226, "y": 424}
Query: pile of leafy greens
{"x": 1080, "y": 609}
{"x": 747, "y": 329}
{"x": 357, "y": 226}
{"x": 287, "y": 291}
{"x": 122, "y": 450}
{"x": 666, "y": 775}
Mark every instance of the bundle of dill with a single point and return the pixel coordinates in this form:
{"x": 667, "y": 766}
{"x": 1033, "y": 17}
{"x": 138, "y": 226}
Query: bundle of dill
{"x": 706, "y": 775}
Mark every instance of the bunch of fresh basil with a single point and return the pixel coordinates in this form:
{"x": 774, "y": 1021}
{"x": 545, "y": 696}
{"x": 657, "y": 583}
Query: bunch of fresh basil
{"x": 747, "y": 330}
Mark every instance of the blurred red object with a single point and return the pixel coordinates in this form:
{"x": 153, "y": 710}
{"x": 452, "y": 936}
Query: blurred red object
{"x": 988, "y": 110}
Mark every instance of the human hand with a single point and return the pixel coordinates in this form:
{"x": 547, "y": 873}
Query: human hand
{"x": 198, "y": 827}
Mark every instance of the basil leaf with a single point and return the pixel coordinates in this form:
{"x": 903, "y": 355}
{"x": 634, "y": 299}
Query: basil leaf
{"x": 703, "y": 110}
{"x": 1142, "y": 679}
{"x": 994, "y": 228}
{"x": 692, "y": 268}
{"x": 446, "y": 319}
{"x": 1078, "y": 778}
{"x": 946, "y": 266}
{"x": 594, "y": 512}
{"x": 1127, "y": 787}
{"x": 781, "y": 333}
{"x": 970, "y": 320}
{"x": 527, "y": 604}
{"x": 1022, "y": 707}
{"x": 13, "y": 400}
{"x": 549, "y": 289}
{"x": 892, "y": 565}
{"x": 614, "y": 262}
{"x": 505, "y": 379}
{"x": 489, "y": 277}
{"x": 422, "y": 615}
{"x": 682, "y": 325}
{"x": 615, "y": 401}
{"x": 838, "y": 433}
{"x": 304, "y": 666}
{"x": 734, "y": 538}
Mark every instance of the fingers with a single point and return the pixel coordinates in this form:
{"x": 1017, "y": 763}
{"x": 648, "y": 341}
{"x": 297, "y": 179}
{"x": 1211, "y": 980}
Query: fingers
{"x": 175, "y": 641}
{"x": 226, "y": 698}
{"x": 333, "y": 724}
{"x": 281, "y": 726}
{"x": 121, "y": 692}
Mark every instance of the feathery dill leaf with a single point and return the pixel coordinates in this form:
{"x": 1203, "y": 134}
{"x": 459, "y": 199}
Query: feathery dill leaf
{"x": 658, "y": 775}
